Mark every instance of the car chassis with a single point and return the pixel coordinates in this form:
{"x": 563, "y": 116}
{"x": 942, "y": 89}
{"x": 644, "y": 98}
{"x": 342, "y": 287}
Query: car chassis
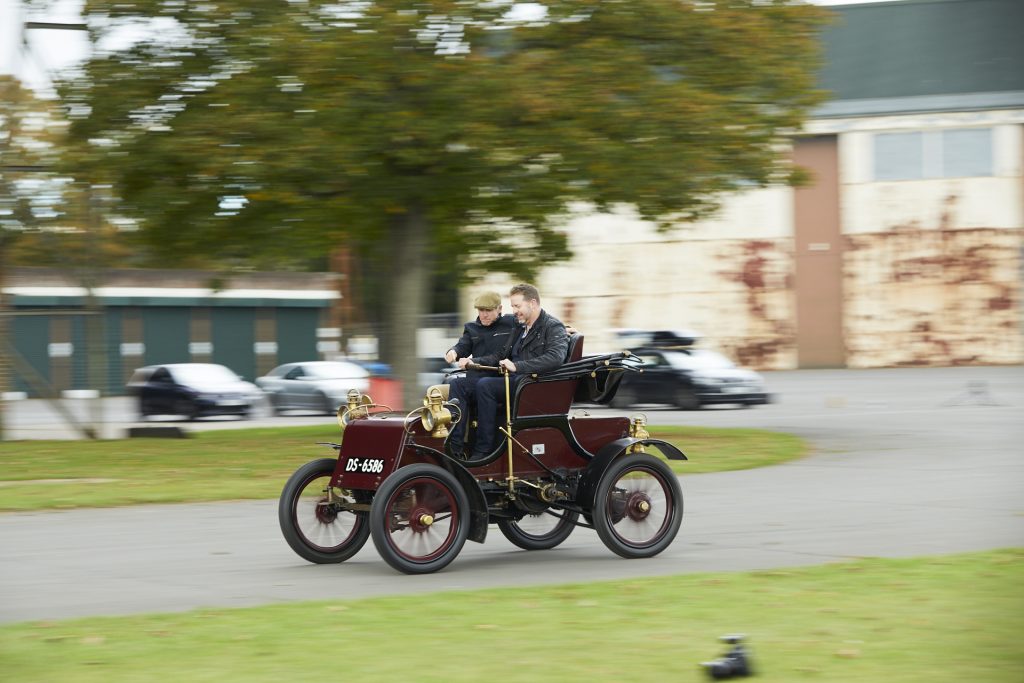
{"x": 394, "y": 480}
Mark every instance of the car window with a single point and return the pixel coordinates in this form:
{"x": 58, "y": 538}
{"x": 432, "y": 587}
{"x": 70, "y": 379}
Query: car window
{"x": 698, "y": 359}
{"x": 279, "y": 371}
{"x": 335, "y": 370}
{"x": 295, "y": 373}
{"x": 202, "y": 374}
{"x": 161, "y": 375}
{"x": 650, "y": 359}
{"x": 139, "y": 376}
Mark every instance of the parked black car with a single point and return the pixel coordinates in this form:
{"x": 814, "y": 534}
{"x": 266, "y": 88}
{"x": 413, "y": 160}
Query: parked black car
{"x": 193, "y": 390}
{"x": 689, "y": 378}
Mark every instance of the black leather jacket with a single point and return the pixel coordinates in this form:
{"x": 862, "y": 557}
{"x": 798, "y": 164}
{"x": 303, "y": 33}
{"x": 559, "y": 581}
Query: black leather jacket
{"x": 483, "y": 340}
{"x": 542, "y": 350}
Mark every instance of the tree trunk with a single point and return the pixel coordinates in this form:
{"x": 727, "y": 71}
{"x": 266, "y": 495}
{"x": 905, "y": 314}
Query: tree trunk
{"x": 409, "y": 271}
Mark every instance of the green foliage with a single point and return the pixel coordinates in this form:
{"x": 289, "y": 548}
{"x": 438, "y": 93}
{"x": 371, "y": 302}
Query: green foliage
{"x": 336, "y": 120}
{"x": 428, "y": 136}
{"x": 29, "y": 130}
{"x": 925, "y": 620}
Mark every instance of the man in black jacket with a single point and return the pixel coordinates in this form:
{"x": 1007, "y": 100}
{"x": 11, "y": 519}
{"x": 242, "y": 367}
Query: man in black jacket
{"x": 484, "y": 336}
{"x": 538, "y": 344}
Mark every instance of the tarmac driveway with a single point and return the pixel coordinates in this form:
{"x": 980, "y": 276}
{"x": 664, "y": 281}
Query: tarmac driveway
{"x": 907, "y": 462}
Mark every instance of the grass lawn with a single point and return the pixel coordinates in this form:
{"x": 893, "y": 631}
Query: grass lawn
{"x": 255, "y": 463}
{"x": 955, "y": 618}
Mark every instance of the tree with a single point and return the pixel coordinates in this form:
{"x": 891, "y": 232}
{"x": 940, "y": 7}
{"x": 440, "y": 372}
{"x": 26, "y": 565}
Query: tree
{"x": 430, "y": 136}
{"x": 28, "y": 130}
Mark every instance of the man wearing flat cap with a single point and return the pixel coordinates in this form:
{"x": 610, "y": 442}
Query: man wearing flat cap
{"x": 486, "y": 335}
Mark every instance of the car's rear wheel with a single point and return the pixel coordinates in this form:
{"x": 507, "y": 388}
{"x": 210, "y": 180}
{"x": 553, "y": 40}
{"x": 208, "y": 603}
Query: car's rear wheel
{"x": 624, "y": 399}
{"x": 314, "y": 523}
{"x": 326, "y": 404}
{"x": 541, "y": 531}
{"x": 638, "y": 506}
{"x": 686, "y": 399}
{"x": 419, "y": 519}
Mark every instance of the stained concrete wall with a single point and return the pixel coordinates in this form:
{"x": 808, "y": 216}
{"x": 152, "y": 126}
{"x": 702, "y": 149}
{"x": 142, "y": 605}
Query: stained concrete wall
{"x": 931, "y": 269}
{"x": 729, "y": 278}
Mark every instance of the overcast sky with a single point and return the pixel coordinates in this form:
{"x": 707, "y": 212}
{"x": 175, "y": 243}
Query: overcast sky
{"x": 52, "y": 50}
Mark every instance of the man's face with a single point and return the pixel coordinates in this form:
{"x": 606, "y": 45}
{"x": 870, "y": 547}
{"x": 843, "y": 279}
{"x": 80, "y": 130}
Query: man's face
{"x": 488, "y": 315}
{"x": 526, "y": 311}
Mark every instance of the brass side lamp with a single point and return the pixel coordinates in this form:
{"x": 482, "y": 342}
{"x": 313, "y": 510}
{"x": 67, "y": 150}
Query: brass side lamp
{"x": 638, "y": 430}
{"x": 354, "y": 401}
{"x": 435, "y": 418}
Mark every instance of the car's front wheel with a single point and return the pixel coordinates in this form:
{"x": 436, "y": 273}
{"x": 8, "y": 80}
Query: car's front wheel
{"x": 313, "y": 517}
{"x": 419, "y": 519}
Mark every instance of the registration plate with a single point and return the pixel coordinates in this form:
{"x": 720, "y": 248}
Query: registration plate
{"x": 366, "y": 465}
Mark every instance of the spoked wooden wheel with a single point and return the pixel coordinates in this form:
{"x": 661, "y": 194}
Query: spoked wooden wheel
{"x": 541, "y": 531}
{"x": 314, "y": 523}
{"x": 638, "y": 506}
{"x": 419, "y": 519}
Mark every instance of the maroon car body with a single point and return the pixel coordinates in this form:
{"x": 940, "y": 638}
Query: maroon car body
{"x": 394, "y": 480}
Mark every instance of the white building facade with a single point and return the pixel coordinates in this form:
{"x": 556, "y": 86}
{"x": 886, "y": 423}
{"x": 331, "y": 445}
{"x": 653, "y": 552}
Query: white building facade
{"x": 907, "y": 248}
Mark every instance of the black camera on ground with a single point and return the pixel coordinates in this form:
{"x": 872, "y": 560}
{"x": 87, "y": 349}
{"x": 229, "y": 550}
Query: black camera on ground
{"x": 734, "y": 663}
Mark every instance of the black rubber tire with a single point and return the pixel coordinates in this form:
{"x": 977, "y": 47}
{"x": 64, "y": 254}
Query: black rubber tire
{"x": 297, "y": 526}
{"x": 327, "y": 404}
{"x": 687, "y": 399}
{"x": 624, "y": 399}
{"x": 617, "y": 508}
{"x": 398, "y": 506}
{"x": 514, "y": 532}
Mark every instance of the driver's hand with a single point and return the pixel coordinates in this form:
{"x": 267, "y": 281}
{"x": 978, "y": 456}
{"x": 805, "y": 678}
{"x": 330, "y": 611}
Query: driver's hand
{"x": 463, "y": 362}
{"x": 507, "y": 364}
{"x": 451, "y": 356}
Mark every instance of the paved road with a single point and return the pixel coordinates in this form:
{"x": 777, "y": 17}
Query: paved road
{"x": 907, "y": 462}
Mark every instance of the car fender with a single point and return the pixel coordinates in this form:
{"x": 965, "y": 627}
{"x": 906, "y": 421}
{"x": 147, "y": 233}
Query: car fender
{"x": 478, "y": 513}
{"x": 604, "y": 457}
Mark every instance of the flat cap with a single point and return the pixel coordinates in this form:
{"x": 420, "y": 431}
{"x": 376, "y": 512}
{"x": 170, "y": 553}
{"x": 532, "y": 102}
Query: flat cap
{"x": 487, "y": 301}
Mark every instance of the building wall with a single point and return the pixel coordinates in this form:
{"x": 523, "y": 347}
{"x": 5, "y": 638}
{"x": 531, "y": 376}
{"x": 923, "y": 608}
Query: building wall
{"x": 927, "y": 271}
{"x": 932, "y": 265}
{"x": 729, "y": 278}
{"x": 156, "y": 317}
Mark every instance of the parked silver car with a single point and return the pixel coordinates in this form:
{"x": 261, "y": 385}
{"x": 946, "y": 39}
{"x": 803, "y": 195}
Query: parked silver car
{"x": 313, "y": 385}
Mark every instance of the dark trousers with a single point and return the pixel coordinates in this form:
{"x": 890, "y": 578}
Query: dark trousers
{"x": 463, "y": 389}
{"x": 487, "y": 395}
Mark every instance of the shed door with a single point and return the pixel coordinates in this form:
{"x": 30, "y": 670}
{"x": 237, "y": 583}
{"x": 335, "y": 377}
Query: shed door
{"x": 819, "y": 256}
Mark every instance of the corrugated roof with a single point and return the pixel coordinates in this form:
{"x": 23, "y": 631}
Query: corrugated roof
{"x": 924, "y": 55}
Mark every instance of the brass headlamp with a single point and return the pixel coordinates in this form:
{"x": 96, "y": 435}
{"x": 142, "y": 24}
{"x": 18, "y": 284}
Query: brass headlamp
{"x": 434, "y": 417}
{"x": 638, "y": 430}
